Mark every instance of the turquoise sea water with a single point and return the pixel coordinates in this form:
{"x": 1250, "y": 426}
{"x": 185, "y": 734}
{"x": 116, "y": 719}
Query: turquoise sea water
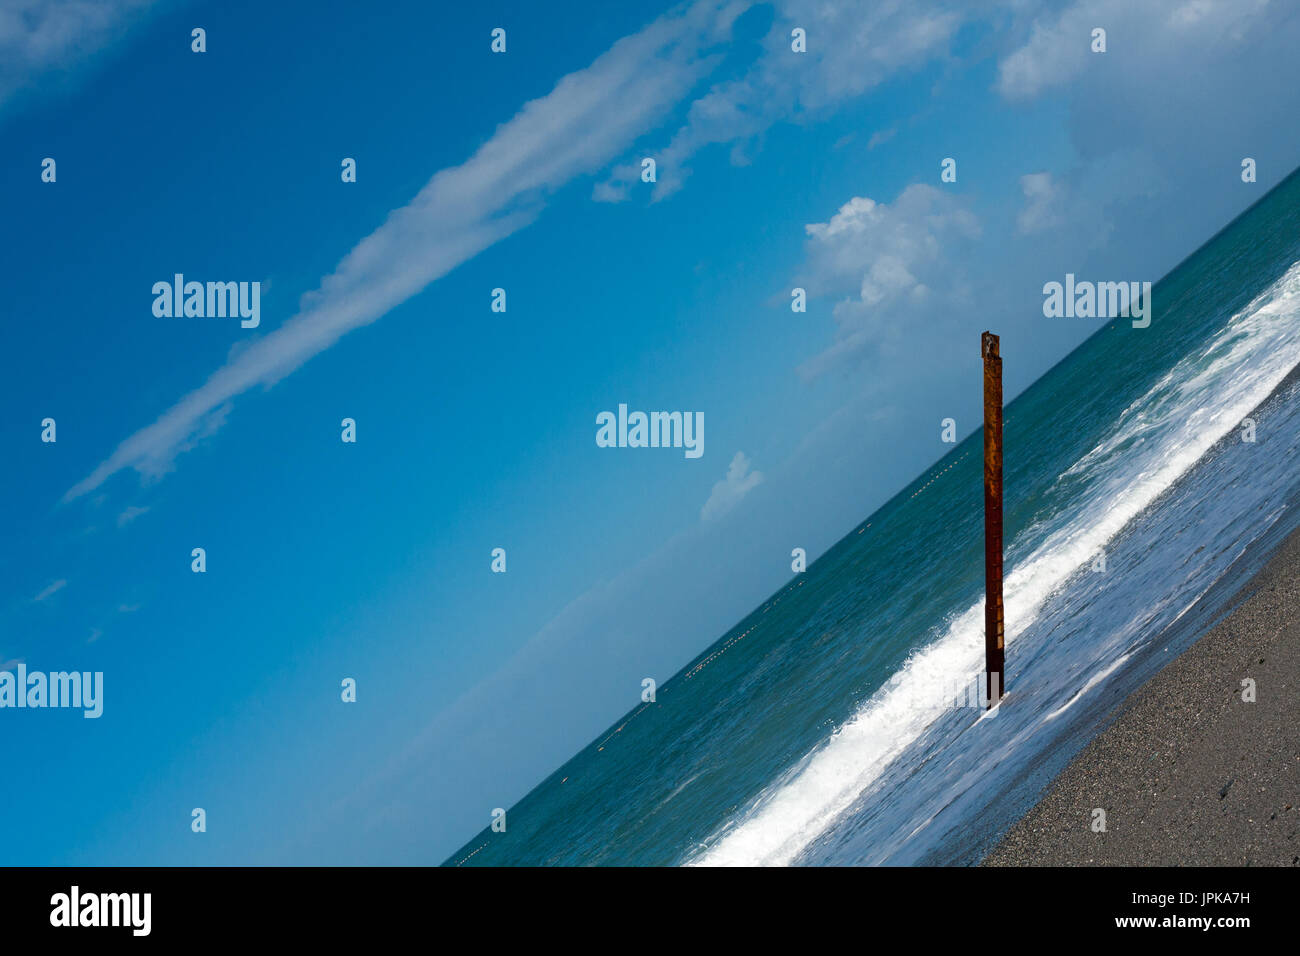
{"x": 827, "y": 727}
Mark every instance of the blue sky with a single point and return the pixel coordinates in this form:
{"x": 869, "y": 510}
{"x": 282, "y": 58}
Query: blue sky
{"x": 477, "y": 429}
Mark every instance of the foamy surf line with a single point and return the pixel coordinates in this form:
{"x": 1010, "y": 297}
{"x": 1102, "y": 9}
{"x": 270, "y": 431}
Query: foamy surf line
{"x": 1213, "y": 389}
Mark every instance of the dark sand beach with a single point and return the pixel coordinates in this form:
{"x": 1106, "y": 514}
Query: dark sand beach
{"x": 1188, "y": 773}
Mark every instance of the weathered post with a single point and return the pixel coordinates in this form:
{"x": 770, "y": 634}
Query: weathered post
{"x": 994, "y": 650}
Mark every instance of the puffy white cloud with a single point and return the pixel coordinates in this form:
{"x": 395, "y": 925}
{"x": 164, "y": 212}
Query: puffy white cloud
{"x": 890, "y": 264}
{"x": 728, "y": 492}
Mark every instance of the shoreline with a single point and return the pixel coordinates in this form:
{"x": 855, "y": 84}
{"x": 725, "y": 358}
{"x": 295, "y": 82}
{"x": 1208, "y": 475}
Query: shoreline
{"x": 1187, "y": 772}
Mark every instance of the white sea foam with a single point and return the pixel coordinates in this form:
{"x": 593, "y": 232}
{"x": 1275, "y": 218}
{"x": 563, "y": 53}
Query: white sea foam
{"x": 1093, "y": 681}
{"x": 1155, "y": 441}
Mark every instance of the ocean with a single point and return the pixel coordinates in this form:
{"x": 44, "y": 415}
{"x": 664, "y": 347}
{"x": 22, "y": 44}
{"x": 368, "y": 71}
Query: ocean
{"x": 830, "y": 727}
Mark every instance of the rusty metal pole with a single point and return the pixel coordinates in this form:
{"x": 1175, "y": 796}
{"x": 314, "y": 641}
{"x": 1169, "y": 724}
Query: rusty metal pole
{"x": 994, "y": 647}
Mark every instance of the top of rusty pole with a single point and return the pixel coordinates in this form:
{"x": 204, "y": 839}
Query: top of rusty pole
{"x": 989, "y": 345}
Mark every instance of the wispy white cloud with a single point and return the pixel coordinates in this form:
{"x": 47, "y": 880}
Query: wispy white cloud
{"x": 41, "y": 36}
{"x": 851, "y": 48}
{"x": 129, "y": 514}
{"x": 881, "y": 136}
{"x": 1059, "y": 47}
{"x": 728, "y": 492}
{"x": 576, "y": 129}
{"x": 51, "y": 589}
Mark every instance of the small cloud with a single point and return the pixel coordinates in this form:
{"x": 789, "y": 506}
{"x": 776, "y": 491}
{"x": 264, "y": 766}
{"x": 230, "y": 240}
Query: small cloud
{"x": 1042, "y": 203}
{"x": 617, "y": 186}
{"x": 53, "y": 588}
{"x": 881, "y": 136}
{"x": 1054, "y": 55}
{"x": 608, "y": 192}
{"x": 129, "y": 515}
{"x": 127, "y": 608}
{"x": 728, "y": 492}
{"x": 95, "y": 634}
